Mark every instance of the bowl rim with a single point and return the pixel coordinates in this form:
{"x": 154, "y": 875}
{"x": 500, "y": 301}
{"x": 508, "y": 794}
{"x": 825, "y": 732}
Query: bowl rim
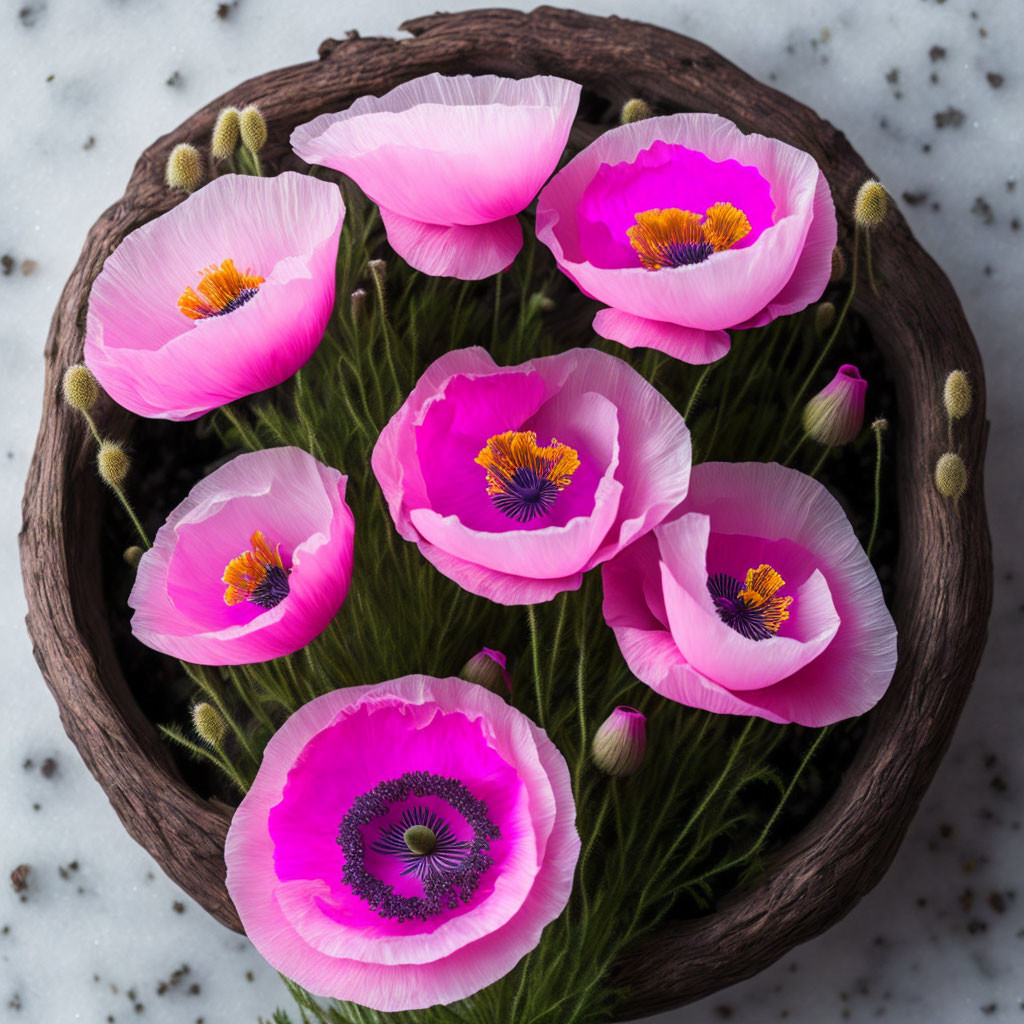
{"x": 943, "y": 588}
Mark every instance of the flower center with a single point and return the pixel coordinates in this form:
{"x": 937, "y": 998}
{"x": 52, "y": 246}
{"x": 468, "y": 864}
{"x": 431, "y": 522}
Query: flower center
{"x": 449, "y": 869}
{"x": 523, "y": 479}
{"x": 677, "y": 238}
{"x": 258, "y": 575}
{"x": 752, "y": 610}
{"x": 220, "y": 290}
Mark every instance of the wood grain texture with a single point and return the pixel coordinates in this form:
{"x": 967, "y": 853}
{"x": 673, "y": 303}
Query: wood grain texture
{"x": 943, "y": 592}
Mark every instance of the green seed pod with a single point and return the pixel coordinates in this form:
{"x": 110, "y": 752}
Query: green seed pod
{"x": 635, "y": 110}
{"x": 225, "y": 134}
{"x": 209, "y": 724}
{"x": 957, "y": 395}
{"x": 113, "y": 463}
{"x": 871, "y": 204}
{"x": 252, "y": 129}
{"x": 80, "y": 387}
{"x": 184, "y": 168}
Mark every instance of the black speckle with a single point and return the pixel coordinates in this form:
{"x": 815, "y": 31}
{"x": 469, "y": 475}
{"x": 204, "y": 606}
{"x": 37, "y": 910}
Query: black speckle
{"x": 998, "y": 783}
{"x": 892, "y": 76}
{"x": 915, "y": 199}
{"x": 989, "y": 1008}
{"x": 89, "y": 142}
{"x": 937, "y": 53}
{"x": 48, "y": 768}
{"x": 14, "y": 1003}
{"x": 29, "y": 14}
{"x": 7, "y": 265}
{"x": 995, "y": 79}
{"x": 983, "y": 209}
{"x": 997, "y": 902}
{"x": 976, "y": 927}
{"x": 225, "y": 10}
{"x": 951, "y": 117}
{"x": 933, "y": 78}
{"x": 178, "y": 907}
{"x": 1011, "y": 184}
{"x": 926, "y": 148}
{"x": 174, "y": 80}
{"x": 1015, "y": 224}
{"x": 724, "y": 1012}
{"x": 50, "y": 78}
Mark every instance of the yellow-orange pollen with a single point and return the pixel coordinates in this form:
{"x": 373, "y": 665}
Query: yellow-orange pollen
{"x": 220, "y": 290}
{"x": 752, "y": 608}
{"x": 524, "y": 478}
{"x": 679, "y": 238}
{"x": 257, "y": 575}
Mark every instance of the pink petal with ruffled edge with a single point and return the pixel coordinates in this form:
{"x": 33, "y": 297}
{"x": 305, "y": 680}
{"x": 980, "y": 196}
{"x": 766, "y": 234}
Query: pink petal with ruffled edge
{"x": 650, "y": 477}
{"x": 157, "y": 362}
{"x": 734, "y": 285}
{"x": 252, "y": 879}
{"x": 688, "y": 344}
{"x": 469, "y": 253}
{"x": 743, "y": 501}
{"x": 178, "y": 595}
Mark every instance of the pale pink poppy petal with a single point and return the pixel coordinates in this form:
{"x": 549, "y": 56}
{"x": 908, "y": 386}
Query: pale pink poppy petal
{"x": 688, "y": 344}
{"x": 469, "y": 253}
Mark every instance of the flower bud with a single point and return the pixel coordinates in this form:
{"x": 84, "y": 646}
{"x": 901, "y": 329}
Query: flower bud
{"x": 635, "y": 110}
{"x": 184, "y": 168}
{"x": 957, "y": 395}
{"x": 619, "y": 744}
{"x": 870, "y": 206}
{"x": 487, "y": 669}
{"x": 358, "y": 302}
{"x": 950, "y": 475}
{"x": 81, "y": 389}
{"x": 252, "y": 129}
{"x": 209, "y": 724}
{"x": 378, "y": 269}
{"x": 225, "y": 134}
{"x": 113, "y": 463}
{"x": 835, "y": 414}
{"x": 880, "y": 425}
{"x": 133, "y": 555}
{"x": 824, "y": 318}
{"x": 838, "y": 264}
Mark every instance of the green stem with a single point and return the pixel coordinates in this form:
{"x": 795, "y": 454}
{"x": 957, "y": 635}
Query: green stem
{"x": 878, "y": 491}
{"x": 820, "y": 462}
{"x": 127, "y": 506}
{"x": 535, "y": 647}
{"x": 497, "y": 310}
{"x": 697, "y": 388}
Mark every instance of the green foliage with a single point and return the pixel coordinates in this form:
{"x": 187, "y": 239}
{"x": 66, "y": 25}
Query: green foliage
{"x": 694, "y": 820}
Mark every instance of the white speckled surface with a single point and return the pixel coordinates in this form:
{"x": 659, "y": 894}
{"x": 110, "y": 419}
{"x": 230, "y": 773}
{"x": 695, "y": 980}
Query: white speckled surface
{"x": 929, "y": 91}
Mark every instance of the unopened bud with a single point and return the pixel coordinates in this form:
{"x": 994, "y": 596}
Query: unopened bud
{"x": 225, "y": 134}
{"x": 487, "y": 669}
{"x": 378, "y": 269}
{"x": 358, "y": 302}
{"x": 880, "y": 425}
{"x": 184, "y": 168}
{"x": 133, "y": 555}
{"x": 113, "y": 463}
{"x": 209, "y": 724}
{"x": 957, "y": 395}
{"x": 81, "y": 389}
{"x": 835, "y": 414}
{"x": 619, "y": 744}
{"x": 838, "y": 264}
{"x": 824, "y": 318}
{"x": 950, "y": 475}
{"x": 870, "y": 206}
{"x": 544, "y": 302}
{"x": 635, "y": 110}
{"x": 252, "y": 129}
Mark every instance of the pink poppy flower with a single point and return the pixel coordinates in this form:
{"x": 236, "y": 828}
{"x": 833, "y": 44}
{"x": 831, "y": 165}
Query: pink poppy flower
{"x": 252, "y": 565}
{"x": 403, "y": 844}
{"x": 515, "y": 480}
{"x": 755, "y": 599}
{"x": 223, "y": 296}
{"x": 684, "y": 226}
{"x": 450, "y": 162}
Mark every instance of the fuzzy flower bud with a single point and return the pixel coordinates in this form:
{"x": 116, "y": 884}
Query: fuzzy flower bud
{"x": 252, "y": 129}
{"x": 950, "y": 475}
{"x": 113, "y": 463}
{"x": 635, "y": 110}
{"x": 835, "y": 414}
{"x": 880, "y": 425}
{"x": 184, "y": 168}
{"x": 838, "y": 264}
{"x": 208, "y": 724}
{"x": 870, "y": 206}
{"x": 81, "y": 389}
{"x": 358, "y": 302}
{"x": 225, "y": 134}
{"x": 378, "y": 269}
{"x": 619, "y": 744}
{"x": 824, "y": 318}
{"x": 487, "y": 668}
{"x": 957, "y": 395}
{"x": 133, "y": 555}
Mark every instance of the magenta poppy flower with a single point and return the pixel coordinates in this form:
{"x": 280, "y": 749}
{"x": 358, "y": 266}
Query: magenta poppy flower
{"x": 450, "y": 162}
{"x": 403, "y": 844}
{"x": 515, "y": 480}
{"x": 684, "y": 226}
{"x": 223, "y": 296}
{"x": 755, "y": 599}
{"x": 252, "y": 565}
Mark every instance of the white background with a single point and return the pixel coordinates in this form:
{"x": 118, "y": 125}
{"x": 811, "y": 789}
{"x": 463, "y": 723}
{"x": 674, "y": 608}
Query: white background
{"x": 940, "y": 941}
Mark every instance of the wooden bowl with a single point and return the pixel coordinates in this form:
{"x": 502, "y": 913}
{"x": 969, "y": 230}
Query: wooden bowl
{"x": 942, "y": 587}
